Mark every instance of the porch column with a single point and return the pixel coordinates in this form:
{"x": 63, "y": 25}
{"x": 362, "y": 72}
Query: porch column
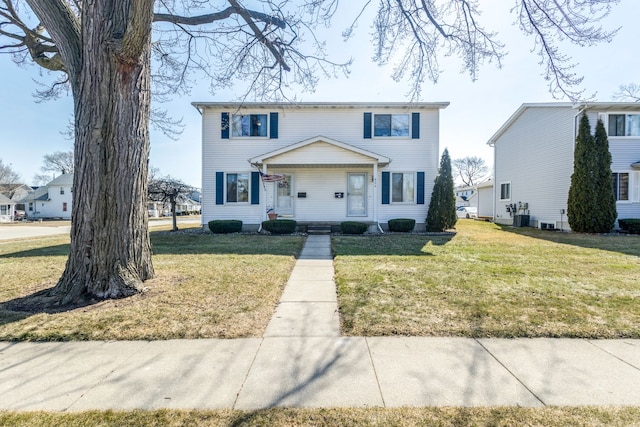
{"x": 263, "y": 200}
{"x": 375, "y": 192}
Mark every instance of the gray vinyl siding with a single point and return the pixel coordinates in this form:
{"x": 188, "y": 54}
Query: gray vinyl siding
{"x": 535, "y": 154}
{"x": 320, "y": 180}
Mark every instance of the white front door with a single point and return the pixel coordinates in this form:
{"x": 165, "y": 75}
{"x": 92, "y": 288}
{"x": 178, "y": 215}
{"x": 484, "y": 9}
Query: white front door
{"x": 284, "y": 196}
{"x": 357, "y": 194}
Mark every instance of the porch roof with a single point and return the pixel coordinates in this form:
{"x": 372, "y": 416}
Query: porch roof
{"x": 320, "y": 151}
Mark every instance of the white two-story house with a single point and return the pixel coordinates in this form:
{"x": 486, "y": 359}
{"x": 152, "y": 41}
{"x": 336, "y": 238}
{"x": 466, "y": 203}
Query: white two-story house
{"x": 319, "y": 162}
{"x": 52, "y": 200}
{"x": 533, "y": 158}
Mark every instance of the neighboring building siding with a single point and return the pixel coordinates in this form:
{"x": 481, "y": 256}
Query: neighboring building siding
{"x": 324, "y": 175}
{"x": 484, "y": 198}
{"x": 535, "y": 155}
{"x": 534, "y": 152}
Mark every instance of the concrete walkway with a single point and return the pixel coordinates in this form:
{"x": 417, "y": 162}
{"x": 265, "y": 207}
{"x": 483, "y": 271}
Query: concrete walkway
{"x": 303, "y": 362}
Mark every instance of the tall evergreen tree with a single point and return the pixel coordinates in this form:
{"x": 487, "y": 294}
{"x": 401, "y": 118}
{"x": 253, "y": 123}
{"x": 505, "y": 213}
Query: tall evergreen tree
{"x": 591, "y": 203}
{"x": 442, "y": 208}
{"x": 582, "y": 190}
{"x": 605, "y": 207}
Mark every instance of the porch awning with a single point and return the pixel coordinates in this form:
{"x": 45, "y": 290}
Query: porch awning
{"x": 636, "y": 164}
{"x": 319, "y": 151}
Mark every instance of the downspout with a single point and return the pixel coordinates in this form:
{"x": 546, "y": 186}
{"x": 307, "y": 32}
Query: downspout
{"x": 375, "y": 196}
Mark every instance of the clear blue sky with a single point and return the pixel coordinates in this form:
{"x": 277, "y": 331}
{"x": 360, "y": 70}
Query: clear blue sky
{"x": 29, "y": 130}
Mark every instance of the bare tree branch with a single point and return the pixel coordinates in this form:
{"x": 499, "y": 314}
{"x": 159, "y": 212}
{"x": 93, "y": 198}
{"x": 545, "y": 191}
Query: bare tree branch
{"x": 628, "y": 93}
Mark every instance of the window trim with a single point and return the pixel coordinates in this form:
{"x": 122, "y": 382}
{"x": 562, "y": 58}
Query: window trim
{"x": 226, "y": 188}
{"x": 415, "y": 181}
{"x": 624, "y": 114}
{"x": 500, "y": 189}
{"x": 267, "y": 126}
{"x": 409, "y": 126}
{"x": 629, "y": 186}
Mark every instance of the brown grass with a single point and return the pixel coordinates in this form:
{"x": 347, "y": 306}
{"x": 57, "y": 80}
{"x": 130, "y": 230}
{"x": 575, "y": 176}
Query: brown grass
{"x": 382, "y": 417}
{"x": 490, "y": 281}
{"x": 206, "y": 287}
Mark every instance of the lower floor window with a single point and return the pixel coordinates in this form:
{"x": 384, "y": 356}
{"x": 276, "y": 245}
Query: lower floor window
{"x": 402, "y": 187}
{"x": 621, "y": 186}
{"x": 64, "y": 206}
{"x": 237, "y": 187}
{"x": 505, "y": 191}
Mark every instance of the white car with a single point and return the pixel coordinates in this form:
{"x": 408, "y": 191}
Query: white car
{"x": 467, "y": 212}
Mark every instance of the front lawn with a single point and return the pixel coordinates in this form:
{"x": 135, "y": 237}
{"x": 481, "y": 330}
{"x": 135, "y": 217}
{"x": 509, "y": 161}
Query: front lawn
{"x": 222, "y": 286}
{"x": 489, "y": 281}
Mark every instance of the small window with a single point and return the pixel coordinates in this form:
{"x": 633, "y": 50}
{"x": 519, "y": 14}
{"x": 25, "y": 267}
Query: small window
{"x": 621, "y": 186}
{"x": 249, "y": 125}
{"x": 624, "y": 124}
{"x": 64, "y": 206}
{"x": 505, "y": 191}
{"x": 61, "y": 190}
{"x": 391, "y": 125}
{"x": 402, "y": 188}
{"x": 237, "y": 188}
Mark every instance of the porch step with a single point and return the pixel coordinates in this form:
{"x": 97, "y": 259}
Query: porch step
{"x": 318, "y": 229}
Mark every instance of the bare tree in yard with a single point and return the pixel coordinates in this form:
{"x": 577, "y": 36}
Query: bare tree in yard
{"x": 59, "y": 162}
{"x": 103, "y": 52}
{"x": 168, "y": 189}
{"x": 470, "y": 170}
{"x": 628, "y": 93}
{"x": 7, "y": 174}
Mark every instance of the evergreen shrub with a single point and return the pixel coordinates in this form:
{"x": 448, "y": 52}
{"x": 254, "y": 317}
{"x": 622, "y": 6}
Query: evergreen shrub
{"x": 402, "y": 225}
{"x": 224, "y": 226}
{"x": 280, "y": 226}
{"x": 630, "y": 225}
{"x": 353, "y": 227}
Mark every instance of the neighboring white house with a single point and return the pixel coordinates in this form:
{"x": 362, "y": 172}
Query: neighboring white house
{"x": 465, "y": 196}
{"x": 7, "y": 206}
{"x": 319, "y": 162}
{"x": 484, "y": 198}
{"x": 533, "y": 158}
{"x": 52, "y": 200}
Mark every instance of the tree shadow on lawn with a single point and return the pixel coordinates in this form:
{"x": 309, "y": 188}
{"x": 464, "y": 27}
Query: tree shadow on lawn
{"x": 613, "y": 242}
{"x": 38, "y": 302}
{"x": 398, "y": 244}
{"x": 188, "y": 243}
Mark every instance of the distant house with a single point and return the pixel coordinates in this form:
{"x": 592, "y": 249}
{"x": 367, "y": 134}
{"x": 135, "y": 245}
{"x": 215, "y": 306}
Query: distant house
{"x": 319, "y": 162}
{"x": 52, "y": 200}
{"x": 484, "y": 198}
{"x": 7, "y": 208}
{"x": 465, "y": 196}
{"x": 533, "y": 158}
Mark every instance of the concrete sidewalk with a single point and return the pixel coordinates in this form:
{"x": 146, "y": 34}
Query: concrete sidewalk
{"x": 258, "y": 373}
{"x": 301, "y": 361}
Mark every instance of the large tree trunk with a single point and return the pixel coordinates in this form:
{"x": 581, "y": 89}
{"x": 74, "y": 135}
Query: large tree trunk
{"x": 110, "y": 253}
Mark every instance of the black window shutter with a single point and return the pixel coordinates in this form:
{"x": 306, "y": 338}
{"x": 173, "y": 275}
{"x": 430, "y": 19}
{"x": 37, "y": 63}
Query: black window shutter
{"x": 367, "y": 125}
{"x": 420, "y": 189}
{"x": 415, "y": 125}
{"x": 255, "y": 188}
{"x": 219, "y": 188}
{"x": 273, "y": 125}
{"x": 385, "y": 187}
{"x": 225, "y": 125}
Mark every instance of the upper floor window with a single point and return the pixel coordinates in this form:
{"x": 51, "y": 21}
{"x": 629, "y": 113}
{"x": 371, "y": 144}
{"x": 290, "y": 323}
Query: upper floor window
{"x": 505, "y": 191}
{"x": 402, "y": 188}
{"x": 237, "y": 187}
{"x": 391, "y": 125}
{"x": 249, "y": 125}
{"x": 61, "y": 190}
{"x": 621, "y": 186}
{"x": 624, "y": 124}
